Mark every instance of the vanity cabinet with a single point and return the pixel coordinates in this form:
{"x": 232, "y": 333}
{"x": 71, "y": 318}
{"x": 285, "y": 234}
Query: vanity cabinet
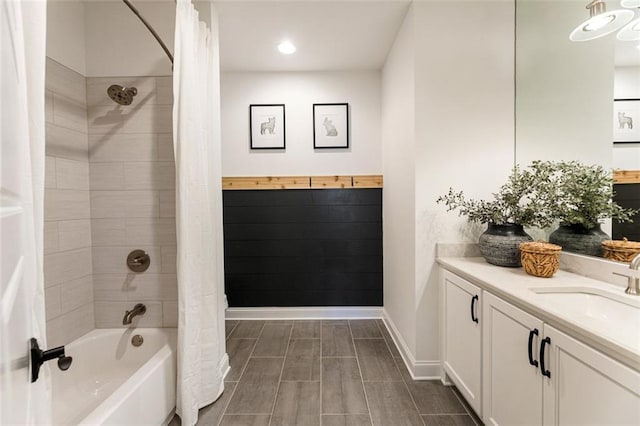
{"x": 462, "y": 337}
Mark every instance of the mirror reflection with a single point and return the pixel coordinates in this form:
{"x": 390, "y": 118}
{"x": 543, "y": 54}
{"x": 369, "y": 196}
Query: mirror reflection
{"x": 565, "y": 92}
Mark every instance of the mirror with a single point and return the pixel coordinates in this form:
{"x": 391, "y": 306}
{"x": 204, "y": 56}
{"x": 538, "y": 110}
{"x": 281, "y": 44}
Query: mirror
{"x": 565, "y": 90}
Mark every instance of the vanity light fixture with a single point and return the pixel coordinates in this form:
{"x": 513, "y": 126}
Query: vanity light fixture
{"x": 630, "y": 3}
{"x": 601, "y": 22}
{"x": 286, "y": 47}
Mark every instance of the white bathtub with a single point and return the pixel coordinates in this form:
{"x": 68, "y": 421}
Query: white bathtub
{"x": 112, "y": 382}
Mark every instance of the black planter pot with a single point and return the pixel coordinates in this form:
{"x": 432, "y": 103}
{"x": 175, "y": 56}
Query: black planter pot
{"x": 578, "y": 239}
{"x": 499, "y": 244}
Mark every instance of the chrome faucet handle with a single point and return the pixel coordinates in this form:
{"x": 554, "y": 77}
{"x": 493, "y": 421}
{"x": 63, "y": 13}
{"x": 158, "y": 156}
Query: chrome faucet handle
{"x": 633, "y": 282}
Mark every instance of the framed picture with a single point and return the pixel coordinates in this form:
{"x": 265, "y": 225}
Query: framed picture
{"x": 330, "y": 126}
{"x": 626, "y": 121}
{"x": 267, "y": 126}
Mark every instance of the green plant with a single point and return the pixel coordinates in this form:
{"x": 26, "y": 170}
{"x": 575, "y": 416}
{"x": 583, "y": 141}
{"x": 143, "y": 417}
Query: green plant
{"x": 581, "y": 194}
{"x": 522, "y": 200}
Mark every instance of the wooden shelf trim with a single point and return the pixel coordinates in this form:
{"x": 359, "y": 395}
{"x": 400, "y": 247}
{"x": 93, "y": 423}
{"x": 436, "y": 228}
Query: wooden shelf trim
{"x": 301, "y": 182}
{"x": 626, "y": 176}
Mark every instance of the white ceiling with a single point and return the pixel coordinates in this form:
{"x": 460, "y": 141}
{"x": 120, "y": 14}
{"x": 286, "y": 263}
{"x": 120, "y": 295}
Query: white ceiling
{"x": 329, "y": 35}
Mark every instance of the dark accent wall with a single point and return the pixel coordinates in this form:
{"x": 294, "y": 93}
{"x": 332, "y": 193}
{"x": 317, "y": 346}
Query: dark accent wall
{"x": 299, "y": 247}
{"x": 628, "y": 196}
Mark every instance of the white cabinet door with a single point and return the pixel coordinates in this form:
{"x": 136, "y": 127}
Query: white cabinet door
{"x": 462, "y": 337}
{"x": 586, "y": 387}
{"x": 512, "y": 385}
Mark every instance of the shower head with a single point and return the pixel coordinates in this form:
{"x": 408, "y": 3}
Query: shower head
{"x": 122, "y": 95}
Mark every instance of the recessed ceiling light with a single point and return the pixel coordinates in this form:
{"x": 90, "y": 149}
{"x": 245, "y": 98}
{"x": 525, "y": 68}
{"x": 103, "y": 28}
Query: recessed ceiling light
{"x": 286, "y": 47}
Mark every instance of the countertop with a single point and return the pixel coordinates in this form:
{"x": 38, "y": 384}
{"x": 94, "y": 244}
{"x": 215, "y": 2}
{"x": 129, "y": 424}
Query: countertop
{"x": 608, "y": 335}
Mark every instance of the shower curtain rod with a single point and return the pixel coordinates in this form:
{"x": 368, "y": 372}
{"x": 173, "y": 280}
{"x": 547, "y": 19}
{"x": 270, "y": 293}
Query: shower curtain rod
{"x": 150, "y": 28}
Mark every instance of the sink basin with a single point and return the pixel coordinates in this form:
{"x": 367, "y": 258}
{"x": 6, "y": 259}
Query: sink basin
{"x": 616, "y": 315}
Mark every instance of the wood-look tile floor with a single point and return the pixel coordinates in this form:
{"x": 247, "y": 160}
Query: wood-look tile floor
{"x": 325, "y": 373}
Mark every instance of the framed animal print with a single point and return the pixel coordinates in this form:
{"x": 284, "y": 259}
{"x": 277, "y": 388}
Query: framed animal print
{"x": 267, "y": 126}
{"x": 626, "y": 121}
{"x": 330, "y": 126}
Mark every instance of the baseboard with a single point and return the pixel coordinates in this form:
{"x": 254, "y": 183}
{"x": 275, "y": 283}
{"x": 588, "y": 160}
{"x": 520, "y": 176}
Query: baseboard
{"x": 313, "y": 312}
{"x": 419, "y": 370}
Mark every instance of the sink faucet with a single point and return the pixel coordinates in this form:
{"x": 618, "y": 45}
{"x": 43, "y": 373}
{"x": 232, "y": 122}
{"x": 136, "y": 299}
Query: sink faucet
{"x": 139, "y": 309}
{"x": 633, "y": 287}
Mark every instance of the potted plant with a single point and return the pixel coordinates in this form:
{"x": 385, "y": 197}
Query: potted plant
{"x": 521, "y": 201}
{"x": 581, "y": 197}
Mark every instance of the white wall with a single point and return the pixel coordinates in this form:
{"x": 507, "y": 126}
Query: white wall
{"x": 564, "y": 89}
{"x": 627, "y": 86}
{"x": 118, "y": 44}
{"x": 462, "y": 136}
{"x": 299, "y": 91}
{"x": 66, "y": 33}
{"x": 398, "y": 150}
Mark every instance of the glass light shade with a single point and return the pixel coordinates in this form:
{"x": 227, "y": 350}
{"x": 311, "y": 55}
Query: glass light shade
{"x": 286, "y": 47}
{"x": 631, "y": 32}
{"x": 630, "y": 3}
{"x": 601, "y": 25}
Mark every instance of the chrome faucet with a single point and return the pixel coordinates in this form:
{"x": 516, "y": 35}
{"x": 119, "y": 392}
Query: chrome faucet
{"x": 139, "y": 309}
{"x": 633, "y": 286}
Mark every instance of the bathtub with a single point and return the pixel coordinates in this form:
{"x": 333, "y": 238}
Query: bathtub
{"x": 113, "y": 382}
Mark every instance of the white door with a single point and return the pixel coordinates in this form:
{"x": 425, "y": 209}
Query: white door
{"x": 585, "y": 387}
{"x": 462, "y": 337}
{"x": 21, "y": 146}
{"x": 512, "y": 381}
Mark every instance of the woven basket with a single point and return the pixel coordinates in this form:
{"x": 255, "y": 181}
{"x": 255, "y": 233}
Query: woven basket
{"x": 620, "y": 250}
{"x": 540, "y": 259}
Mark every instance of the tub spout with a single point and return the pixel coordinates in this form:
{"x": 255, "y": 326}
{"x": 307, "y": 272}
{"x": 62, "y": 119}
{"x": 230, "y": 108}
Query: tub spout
{"x": 139, "y": 309}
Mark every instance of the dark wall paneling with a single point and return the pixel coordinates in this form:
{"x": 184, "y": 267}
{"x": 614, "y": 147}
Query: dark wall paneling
{"x": 628, "y": 196}
{"x": 316, "y": 247}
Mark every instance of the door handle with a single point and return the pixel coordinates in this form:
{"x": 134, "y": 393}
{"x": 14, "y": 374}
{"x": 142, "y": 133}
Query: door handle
{"x": 544, "y": 371}
{"x": 474, "y": 317}
{"x": 532, "y": 333}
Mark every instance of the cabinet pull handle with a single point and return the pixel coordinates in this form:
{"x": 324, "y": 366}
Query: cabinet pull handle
{"x": 474, "y": 318}
{"x": 532, "y": 333}
{"x": 544, "y": 371}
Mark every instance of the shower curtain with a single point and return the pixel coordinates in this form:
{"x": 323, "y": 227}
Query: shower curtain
{"x": 202, "y": 361}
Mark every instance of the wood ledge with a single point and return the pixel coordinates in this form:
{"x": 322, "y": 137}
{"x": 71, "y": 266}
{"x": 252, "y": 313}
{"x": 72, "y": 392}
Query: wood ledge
{"x": 301, "y": 182}
{"x": 626, "y": 176}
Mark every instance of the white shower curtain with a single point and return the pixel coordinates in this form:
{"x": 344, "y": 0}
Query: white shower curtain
{"x": 202, "y": 361}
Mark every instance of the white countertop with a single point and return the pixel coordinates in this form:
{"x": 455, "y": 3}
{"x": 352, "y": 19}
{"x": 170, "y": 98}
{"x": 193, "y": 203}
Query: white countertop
{"x": 619, "y": 340}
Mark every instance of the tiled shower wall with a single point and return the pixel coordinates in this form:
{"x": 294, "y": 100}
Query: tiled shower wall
{"x": 109, "y": 189}
{"x": 67, "y": 226}
{"x": 132, "y": 175}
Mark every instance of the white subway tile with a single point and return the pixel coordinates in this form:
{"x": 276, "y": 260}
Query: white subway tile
{"x": 123, "y": 147}
{"x": 72, "y": 174}
{"x": 51, "y": 241}
{"x": 50, "y": 172}
{"x": 76, "y": 293}
{"x": 105, "y": 176}
{"x": 165, "y": 147}
{"x": 165, "y": 90}
{"x": 64, "y": 81}
{"x": 108, "y": 232}
{"x": 151, "y": 231}
{"x": 170, "y": 314}
{"x": 65, "y": 204}
{"x": 135, "y": 119}
{"x": 52, "y": 304}
{"x": 113, "y": 260}
{"x": 110, "y": 314}
{"x": 67, "y": 143}
{"x": 121, "y": 204}
{"x": 97, "y": 90}
{"x": 66, "y": 266}
{"x": 167, "y": 203}
{"x": 169, "y": 259}
{"x": 69, "y": 113}
{"x": 135, "y": 287}
{"x": 151, "y": 175}
{"x": 74, "y": 234}
{"x": 68, "y": 327}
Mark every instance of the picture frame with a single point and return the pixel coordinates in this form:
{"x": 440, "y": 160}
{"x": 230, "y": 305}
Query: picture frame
{"x": 626, "y": 121}
{"x": 331, "y": 126}
{"x": 267, "y": 126}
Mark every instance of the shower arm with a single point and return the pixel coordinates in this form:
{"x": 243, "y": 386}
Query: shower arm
{"x": 150, "y": 28}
